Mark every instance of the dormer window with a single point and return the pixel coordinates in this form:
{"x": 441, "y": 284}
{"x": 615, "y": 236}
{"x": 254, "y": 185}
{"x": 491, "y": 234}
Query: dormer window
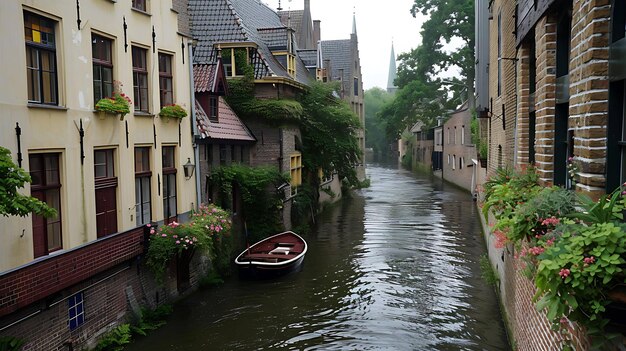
{"x": 235, "y": 57}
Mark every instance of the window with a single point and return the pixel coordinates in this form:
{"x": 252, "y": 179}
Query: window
{"x": 453, "y": 162}
{"x": 235, "y": 67}
{"x": 291, "y": 65}
{"x": 213, "y": 108}
{"x": 166, "y": 86}
{"x": 448, "y": 158}
{"x": 46, "y": 186}
{"x": 76, "y": 311}
{"x": 140, "y": 79}
{"x": 102, "y": 59}
{"x": 295, "y": 167}
{"x": 461, "y": 163}
{"x": 139, "y": 5}
{"x": 223, "y": 154}
{"x": 499, "y": 53}
{"x": 169, "y": 184}
{"x": 454, "y": 140}
{"x": 356, "y": 86}
{"x": 462, "y": 135}
{"x": 106, "y": 192}
{"x": 41, "y": 61}
{"x": 143, "y": 174}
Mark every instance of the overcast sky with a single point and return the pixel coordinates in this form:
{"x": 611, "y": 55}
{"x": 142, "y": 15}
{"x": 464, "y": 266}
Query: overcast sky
{"x": 377, "y": 23}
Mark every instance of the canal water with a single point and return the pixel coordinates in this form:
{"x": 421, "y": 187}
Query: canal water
{"x": 395, "y": 267}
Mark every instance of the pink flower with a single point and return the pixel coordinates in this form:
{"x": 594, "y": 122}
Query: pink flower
{"x": 564, "y": 273}
{"x": 536, "y": 250}
{"x": 175, "y": 236}
{"x": 177, "y": 242}
{"x": 148, "y": 225}
{"x": 589, "y": 260}
{"x": 164, "y": 235}
{"x": 195, "y": 239}
{"x": 152, "y": 231}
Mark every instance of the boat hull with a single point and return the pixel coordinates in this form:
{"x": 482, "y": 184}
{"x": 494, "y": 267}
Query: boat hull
{"x": 259, "y": 271}
{"x": 275, "y": 256}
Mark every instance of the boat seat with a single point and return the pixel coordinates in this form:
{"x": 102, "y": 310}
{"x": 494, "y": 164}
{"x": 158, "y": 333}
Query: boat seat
{"x": 268, "y": 256}
{"x": 281, "y": 250}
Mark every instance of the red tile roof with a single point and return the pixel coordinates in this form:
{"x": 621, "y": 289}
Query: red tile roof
{"x": 228, "y": 127}
{"x": 204, "y": 77}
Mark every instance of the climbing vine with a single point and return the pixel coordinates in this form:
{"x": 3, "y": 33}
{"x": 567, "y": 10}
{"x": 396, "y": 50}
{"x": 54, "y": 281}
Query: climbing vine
{"x": 261, "y": 200}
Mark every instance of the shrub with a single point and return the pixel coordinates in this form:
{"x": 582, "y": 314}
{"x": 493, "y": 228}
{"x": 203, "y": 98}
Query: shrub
{"x": 173, "y": 111}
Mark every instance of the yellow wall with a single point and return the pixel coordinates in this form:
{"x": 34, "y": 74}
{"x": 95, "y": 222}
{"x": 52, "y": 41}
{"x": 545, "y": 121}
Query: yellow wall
{"x": 56, "y": 130}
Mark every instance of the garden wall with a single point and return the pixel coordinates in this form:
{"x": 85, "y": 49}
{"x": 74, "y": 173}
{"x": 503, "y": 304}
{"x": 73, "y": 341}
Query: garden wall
{"x": 529, "y": 329}
{"x": 109, "y": 299}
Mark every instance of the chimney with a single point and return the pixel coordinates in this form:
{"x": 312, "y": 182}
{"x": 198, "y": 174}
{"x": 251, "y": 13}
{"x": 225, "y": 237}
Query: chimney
{"x": 316, "y": 31}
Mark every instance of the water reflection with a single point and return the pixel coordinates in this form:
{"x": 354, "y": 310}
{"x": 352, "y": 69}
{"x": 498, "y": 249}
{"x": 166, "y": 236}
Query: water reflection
{"x": 393, "y": 268}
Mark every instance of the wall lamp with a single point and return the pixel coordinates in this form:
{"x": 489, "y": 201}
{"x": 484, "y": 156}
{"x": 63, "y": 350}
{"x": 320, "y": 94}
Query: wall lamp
{"x": 188, "y": 168}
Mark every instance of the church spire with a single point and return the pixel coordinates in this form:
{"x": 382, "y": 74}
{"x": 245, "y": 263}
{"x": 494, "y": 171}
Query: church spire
{"x": 391, "y": 87}
{"x": 354, "y": 22}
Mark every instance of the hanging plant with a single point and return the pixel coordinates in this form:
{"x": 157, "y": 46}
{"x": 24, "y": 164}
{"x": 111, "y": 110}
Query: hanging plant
{"x": 118, "y": 104}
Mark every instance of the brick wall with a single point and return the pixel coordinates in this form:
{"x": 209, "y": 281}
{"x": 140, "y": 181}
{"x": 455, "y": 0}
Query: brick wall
{"x": 530, "y": 329}
{"x": 589, "y": 91}
{"x": 545, "y": 98}
{"x": 108, "y": 301}
{"x": 44, "y": 277}
{"x": 503, "y": 105}
{"x": 523, "y": 105}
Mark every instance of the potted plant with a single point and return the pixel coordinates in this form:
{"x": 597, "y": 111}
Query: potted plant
{"x": 173, "y": 111}
{"x": 482, "y": 153}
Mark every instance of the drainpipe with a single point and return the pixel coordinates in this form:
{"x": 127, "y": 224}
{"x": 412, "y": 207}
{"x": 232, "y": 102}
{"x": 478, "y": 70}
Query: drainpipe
{"x": 194, "y": 127}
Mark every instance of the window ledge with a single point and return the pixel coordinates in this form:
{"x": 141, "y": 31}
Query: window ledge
{"x": 49, "y": 107}
{"x": 141, "y": 11}
{"x": 174, "y": 10}
{"x": 142, "y": 114}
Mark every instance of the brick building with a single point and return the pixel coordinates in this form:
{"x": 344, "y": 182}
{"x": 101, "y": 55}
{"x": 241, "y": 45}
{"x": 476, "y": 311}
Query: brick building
{"x": 557, "y": 71}
{"x": 69, "y": 277}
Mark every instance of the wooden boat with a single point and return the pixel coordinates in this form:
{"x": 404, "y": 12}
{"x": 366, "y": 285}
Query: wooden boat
{"x": 274, "y": 256}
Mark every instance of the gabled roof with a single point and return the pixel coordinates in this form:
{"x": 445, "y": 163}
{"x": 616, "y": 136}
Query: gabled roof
{"x": 229, "y": 127}
{"x": 239, "y": 21}
{"x": 339, "y": 52}
{"x": 292, "y": 18}
{"x": 209, "y": 78}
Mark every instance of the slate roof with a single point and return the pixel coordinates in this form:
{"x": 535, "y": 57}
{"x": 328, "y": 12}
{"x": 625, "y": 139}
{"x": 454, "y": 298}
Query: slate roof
{"x": 339, "y": 52}
{"x": 309, "y": 57}
{"x": 221, "y": 21}
{"x": 292, "y": 18}
{"x": 229, "y": 126}
{"x": 275, "y": 38}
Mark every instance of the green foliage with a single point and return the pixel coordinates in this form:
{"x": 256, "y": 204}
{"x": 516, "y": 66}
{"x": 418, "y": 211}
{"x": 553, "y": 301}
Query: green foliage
{"x": 487, "y": 272}
{"x": 10, "y": 343}
{"x": 302, "y": 207}
{"x": 207, "y": 227}
{"x": 261, "y": 201}
{"x": 151, "y": 319}
{"x": 118, "y": 103}
{"x": 274, "y": 111}
{"x": 421, "y": 95}
{"x": 329, "y": 133}
{"x": 528, "y": 220}
{"x": 173, "y": 111}
{"x": 375, "y": 136}
{"x": 12, "y": 203}
{"x": 574, "y": 276}
{"x": 506, "y": 190}
{"x": 115, "y": 339}
{"x": 607, "y": 208}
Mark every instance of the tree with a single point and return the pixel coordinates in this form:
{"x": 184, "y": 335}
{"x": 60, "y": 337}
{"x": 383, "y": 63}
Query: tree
{"x": 12, "y": 178}
{"x": 422, "y": 94}
{"x": 375, "y": 136}
{"x": 328, "y": 128}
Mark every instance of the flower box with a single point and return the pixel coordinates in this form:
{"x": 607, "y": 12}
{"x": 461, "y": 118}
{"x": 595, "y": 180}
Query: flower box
{"x": 173, "y": 111}
{"x": 118, "y": 104}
